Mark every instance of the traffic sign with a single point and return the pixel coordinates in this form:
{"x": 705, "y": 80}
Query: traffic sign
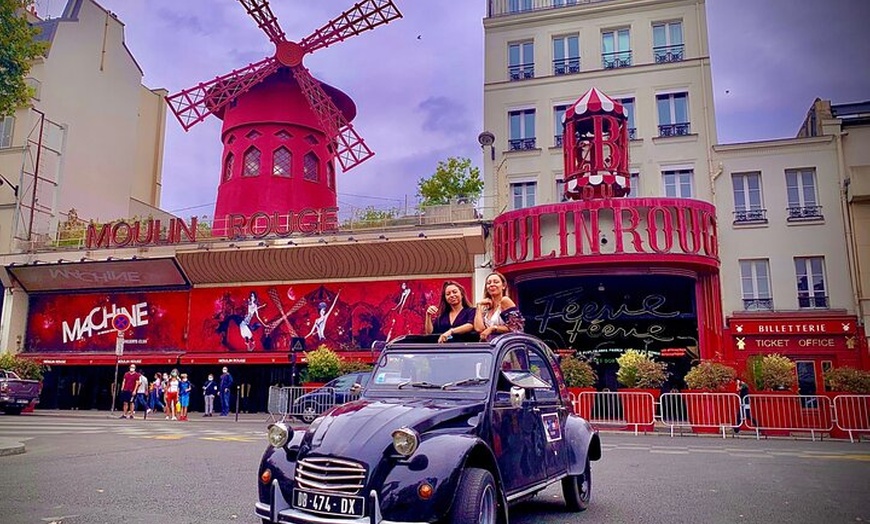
{"x": 122, "y": 322}
{"x": 297, "y": 344}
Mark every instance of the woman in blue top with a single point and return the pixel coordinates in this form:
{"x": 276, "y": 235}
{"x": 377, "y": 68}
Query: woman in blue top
{"x": 454, "y": 316}
{"x": 184, "y": 388}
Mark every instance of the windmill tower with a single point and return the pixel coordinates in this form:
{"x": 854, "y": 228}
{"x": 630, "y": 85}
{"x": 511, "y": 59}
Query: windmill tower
{"x": 282, "y": 128}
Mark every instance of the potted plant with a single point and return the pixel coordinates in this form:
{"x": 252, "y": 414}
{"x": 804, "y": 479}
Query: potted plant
{"x": 854, "y": 411}
{"x": 579, "y": 377}
{"x": 708, "y": 413}
{"x": 324, "y": 365}
{"x": 640, "y": 374}
{"x": 775, "y": 406}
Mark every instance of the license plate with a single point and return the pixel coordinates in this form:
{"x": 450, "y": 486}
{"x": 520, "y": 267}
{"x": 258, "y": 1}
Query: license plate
{"x": 24, "y": 402}
{"x": 329, "y": 504}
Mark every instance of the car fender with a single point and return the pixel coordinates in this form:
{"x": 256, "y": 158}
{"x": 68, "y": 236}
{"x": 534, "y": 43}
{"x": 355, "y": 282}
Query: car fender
{"x": 439, "y": 461}
{"x": 282, "y": 463}
{"x": 582, "y": 440}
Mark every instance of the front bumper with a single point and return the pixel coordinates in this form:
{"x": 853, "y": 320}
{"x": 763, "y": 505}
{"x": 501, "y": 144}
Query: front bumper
{"x": 281, "y": 512}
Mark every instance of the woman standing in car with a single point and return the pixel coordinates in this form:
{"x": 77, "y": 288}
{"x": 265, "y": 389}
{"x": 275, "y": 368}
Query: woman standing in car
{"x": 497, "y": 313}
{"x": 453, "y": 317}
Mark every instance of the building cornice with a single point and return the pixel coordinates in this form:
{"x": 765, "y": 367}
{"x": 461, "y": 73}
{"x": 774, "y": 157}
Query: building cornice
{"x": 585, "y": 8}
{"x": 765, "y": 146}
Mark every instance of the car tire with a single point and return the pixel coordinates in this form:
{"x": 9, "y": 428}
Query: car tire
{"x": 309, "y": 413}
{"x": 476, "y": 499}
{"x": 13, "y": 410}
{"x": 577, "y": 489}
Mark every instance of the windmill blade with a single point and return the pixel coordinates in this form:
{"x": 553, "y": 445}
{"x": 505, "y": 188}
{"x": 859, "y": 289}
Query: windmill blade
{"x": 195, "y": 104}
{"x": 362, "y": 17}
{"x": 350, "y": 149}
{"x": 266, "y": 20}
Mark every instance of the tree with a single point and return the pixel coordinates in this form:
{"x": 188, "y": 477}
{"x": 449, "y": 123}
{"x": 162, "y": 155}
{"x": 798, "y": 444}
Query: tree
{"x": 454, "y": 178}
{"x": 18, "y": 49}
{"x": 371, "y": 216}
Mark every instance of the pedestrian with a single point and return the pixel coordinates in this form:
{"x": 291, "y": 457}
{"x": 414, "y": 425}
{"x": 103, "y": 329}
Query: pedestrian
{"x": 128, "y": 389}
{"x": 743, "y": 412}
{"x": 184, "y": 388}
{"x": 164, "y": 385}
{"x": 226, "y": 386}
{"x": 171, "y": 394}
{"x": 209, "y": 390}
{"x": 453, "y": 316}
{"x": 142, "y": 394}
{"x": 497, "y": 313}
{"x": 156, "y": 398}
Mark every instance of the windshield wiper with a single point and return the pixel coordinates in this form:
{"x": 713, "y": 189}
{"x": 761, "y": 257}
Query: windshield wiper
{"x": 422, "y": 385}
{"x": 466, "y": 382}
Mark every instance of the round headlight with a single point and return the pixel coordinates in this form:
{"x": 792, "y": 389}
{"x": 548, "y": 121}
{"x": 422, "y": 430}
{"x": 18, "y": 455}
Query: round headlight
{"x": 405, "y": 441}
{"x": 278, "y": 435}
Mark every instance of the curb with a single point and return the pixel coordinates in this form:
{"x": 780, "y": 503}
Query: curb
{"x": 9, "y": 447}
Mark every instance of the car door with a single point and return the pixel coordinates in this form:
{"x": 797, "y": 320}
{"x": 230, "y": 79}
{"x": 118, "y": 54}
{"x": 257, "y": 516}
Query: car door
{"x": 518, "y": 438}
{"x": 552, "y": 411}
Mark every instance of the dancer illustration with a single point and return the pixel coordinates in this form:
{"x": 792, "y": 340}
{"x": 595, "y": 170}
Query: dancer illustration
{"x": 320, "y": 323}
{"x": 245, "y": 328}
{"x": 406, "y": 292}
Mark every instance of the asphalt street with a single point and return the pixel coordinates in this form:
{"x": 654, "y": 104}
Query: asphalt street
{"x": 82, "y": 467}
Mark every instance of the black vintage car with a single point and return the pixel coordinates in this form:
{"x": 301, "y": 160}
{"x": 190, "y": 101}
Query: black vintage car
{"x": 442, "y": 433}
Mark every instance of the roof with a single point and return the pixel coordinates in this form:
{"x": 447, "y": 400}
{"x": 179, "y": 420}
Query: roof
{"x": 594, "y": 101}
{"x": 852, "y": 113}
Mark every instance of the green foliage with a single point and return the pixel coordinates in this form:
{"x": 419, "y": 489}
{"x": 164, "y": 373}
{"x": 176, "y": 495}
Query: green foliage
{"x": 23, "y": 367}
{"x": 352, "y": 366}
{"x": 453, "y": 178}
{"x": 371, "y": 216}
{"x": 578, "y": 373}
{"x": 775, "y": 372}
{"x": 848, "y": 380}
{"x": 18, "y": 49}
{"x": 710, "y": 375}
{"x": 323, "y": 364}
{"x": 637, "y": 370}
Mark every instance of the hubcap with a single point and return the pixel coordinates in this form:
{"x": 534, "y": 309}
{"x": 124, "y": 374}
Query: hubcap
{"x": 487, "y": 506}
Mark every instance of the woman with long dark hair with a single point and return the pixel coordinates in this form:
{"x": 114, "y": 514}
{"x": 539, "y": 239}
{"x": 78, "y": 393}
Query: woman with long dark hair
{"x": 453, "y": 317}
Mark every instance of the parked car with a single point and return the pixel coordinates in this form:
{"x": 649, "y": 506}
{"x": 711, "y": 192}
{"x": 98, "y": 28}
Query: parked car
{"x": 442, "y": 433}
{"x": 16, "y": 393}
{"x": 337, "y": 391}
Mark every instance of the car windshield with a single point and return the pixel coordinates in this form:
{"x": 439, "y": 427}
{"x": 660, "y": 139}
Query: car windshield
{"x": 430, "y": 370}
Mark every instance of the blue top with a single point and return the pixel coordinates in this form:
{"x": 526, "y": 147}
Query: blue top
{"x": 226, "y": 381}
{"x": 210, "y": 388}
{"x": 184, "y": 387}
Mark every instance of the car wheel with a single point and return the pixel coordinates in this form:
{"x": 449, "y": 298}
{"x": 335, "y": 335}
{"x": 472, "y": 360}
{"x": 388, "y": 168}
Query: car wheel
{"x": 15, "y": 410}
{"x": 476, "y": 499}
{"x": 309, "y": 413}
{"x": 577, "y": 489}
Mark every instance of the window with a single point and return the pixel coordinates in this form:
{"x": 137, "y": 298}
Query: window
{"x": 518, "y": 6}
{"x": 747, "y": 198}
{"x": 566, "y": 55}
{"x": 523, "y": 194}
{"x": 827, "y": 366}
{"x": 311, "y": 167}
{"x": 252, "y": 162}
{"x": 678, "y": 183}
{"x": 539, "y": 367}
{"x": 330, "y": 175}
{"x": 283, "y": 135}
{"x": 635, "y": 182}
{"x": 806, "y": 374}
{"x": 228, "y": 166}
{"x": 668, "y": 42}
{"x": 253, "y": 135}
{"x": 628, "y": 104}
{"x": 560, "y": 189}
{"x": 522, "y": 130}
{"x": 673, "y": 114}
{"x": 558, "y": 130}
{"x": 803, "y": 202}
{"x": 282, "y": 161}
{"x": 755, "y": 282}
{"x": 521, "y": 60}
{"x": 6, "y": 126}
{"x": 35, "y": 85}
{"x": 810, "y": 272}
{"x": 616, "y": 49}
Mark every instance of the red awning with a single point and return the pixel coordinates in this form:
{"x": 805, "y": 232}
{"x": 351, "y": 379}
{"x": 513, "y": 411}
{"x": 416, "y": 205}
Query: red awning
{"x": 103, "y": 359}
{"x": 276, "y": 358}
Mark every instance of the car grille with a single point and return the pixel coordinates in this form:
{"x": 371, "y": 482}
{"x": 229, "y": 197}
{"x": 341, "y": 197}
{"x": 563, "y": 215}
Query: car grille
{"x": 330, "y": 475}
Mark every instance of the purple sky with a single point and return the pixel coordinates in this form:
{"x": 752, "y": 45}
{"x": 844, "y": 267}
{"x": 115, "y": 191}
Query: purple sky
{"x": 420, "y": 99}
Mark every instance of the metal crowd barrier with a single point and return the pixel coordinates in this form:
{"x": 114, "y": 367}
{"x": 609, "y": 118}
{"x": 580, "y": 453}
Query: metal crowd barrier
{"x": 852, "y": 414}
{"x": 304, "y": 403}
{"x": 630, "y": 409}
{"x": 702, "y": 412}
{"x": 780, "y": 415}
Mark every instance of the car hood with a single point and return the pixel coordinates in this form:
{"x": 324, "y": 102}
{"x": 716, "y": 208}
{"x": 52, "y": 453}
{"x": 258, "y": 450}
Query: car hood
{"x": 362, "y": 429}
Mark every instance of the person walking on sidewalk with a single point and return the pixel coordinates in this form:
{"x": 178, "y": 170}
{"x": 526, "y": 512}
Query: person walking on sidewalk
{"x": 226, "y": 386}
{"x": 184, "y": 388}
{"x": 171, "y": 389}
{"x": 128, "y": 389}
{"x": 156, "y": 399}
{"x": 209, "y": 390}
{"x": 141, "y": 394}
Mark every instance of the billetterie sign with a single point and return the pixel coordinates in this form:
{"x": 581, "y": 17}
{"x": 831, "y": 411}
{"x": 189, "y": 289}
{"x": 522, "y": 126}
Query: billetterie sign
{"x": 236, "y": 226}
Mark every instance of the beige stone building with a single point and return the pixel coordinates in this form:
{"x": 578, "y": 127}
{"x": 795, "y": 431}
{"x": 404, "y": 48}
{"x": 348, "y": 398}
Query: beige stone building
{"x": 97, "y": 132}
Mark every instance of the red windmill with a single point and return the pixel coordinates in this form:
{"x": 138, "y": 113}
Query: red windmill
{"x": 282, "y": 128}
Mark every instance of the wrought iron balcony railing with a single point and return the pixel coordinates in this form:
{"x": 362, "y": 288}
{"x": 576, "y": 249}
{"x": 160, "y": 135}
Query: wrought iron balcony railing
{"x": 758, "y": 304}
{"x": 566, "y": 66}
{"x": 521, "y": 71}
{"x": 632, "y": 133}
{"x": 813, "y": 302}
{"x": 557, "y": 140}
{"x": 680, "y": 129}
{"x": 668, "y": 53}
{"x": 616, "y": 59}
{"x": 521, "y": 144}
{"x": 749, "y": 216}
{"x": 515, "y": 7}
{"x": 796, "y": 213}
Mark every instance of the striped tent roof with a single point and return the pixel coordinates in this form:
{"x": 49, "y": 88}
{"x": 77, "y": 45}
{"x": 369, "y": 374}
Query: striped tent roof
{"x": 594, "y": 101}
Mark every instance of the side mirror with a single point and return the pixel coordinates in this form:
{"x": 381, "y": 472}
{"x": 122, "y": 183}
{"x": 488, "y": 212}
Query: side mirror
{"x": 356, "y": 388}
{"x": 518, "y": 395}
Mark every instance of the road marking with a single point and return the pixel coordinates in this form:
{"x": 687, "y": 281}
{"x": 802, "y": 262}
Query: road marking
{"x": 669, "y": 451}
{"x": 230, "y": 439}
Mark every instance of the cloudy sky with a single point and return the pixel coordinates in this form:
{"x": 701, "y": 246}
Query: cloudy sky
{"x": 417, "y": 81}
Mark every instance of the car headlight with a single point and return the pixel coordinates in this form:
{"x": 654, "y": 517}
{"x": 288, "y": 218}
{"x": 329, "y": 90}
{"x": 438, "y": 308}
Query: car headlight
{"x": 405, "y": 441}
{"x": 278, "y": 435}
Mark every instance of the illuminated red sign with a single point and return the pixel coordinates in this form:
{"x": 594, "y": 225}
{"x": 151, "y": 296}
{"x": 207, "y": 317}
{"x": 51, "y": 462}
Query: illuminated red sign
{"x": 814, "y": 327}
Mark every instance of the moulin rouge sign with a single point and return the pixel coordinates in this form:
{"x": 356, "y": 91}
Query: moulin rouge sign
{"x": 237, "y": 226}
{"x": 607, "y": 227}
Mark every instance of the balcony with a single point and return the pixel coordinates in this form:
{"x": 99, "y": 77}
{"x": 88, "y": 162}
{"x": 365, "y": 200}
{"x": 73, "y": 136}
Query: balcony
{"x": 668, "y": 53}
{"x": 813, "y": 302}
{"x": 750, "y": 216}
{"x": 799, "y": 213}
{"x": 566, "y": 66}
{"x": 616, "y": 59}
{"x": 557, "y": 140}
{"x": 515, "y": 7}
{"x": 521, "y": 144}
{"x": 521, "y": 71}
{"x": 632, "y": 133}
{"x": 681, "y": 129}
{"x": 758, "y": 304}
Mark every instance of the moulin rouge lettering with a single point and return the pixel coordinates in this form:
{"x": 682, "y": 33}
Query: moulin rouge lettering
{"x": 99, "y": 321}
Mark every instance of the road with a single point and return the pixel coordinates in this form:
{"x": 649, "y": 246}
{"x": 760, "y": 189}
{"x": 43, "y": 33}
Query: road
{"x": 81, "y": 467}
